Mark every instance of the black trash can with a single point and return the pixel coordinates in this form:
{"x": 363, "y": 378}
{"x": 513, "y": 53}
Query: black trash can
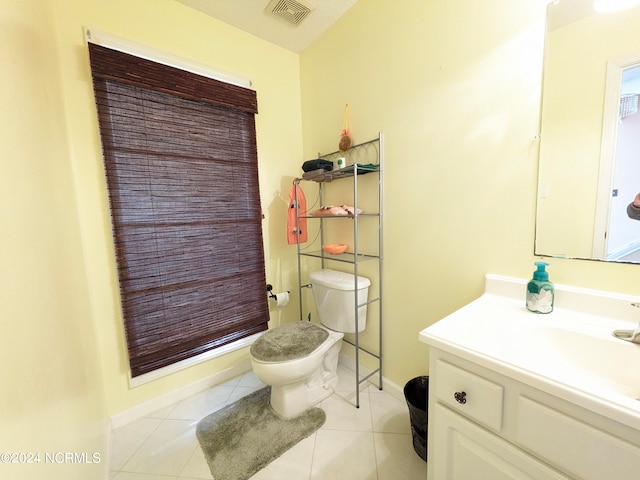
{"x": 416, "y": 392}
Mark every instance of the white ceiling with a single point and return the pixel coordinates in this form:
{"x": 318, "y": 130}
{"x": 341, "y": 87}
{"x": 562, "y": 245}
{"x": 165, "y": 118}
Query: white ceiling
{"x": 250, "y": 16}
{"x": 566, "y": 11}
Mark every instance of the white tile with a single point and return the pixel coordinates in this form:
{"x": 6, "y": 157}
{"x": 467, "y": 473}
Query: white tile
{"x": 343, "y": 415}
{"x": 344, "y": 454}
{"x": 372, "y": 442}
{"x": 347, "y": 380}
{"x": 197, "y": 466}
{"x": 396, "y": 458}
{"x": 249, "y": 379}
{"x": 232, "y": 382}
{"x": 126, "y": 440}
{"x": 388, "y": 413}
{"x": 167, "y": 450}
{"x": 162, "y": 413}
{"x": 373, "y": 382}
{"x": 294, "y": 464}
{"x": 201, "y": 404}
{"x": 141, "y": 476}
{"x": 240, "y": 392}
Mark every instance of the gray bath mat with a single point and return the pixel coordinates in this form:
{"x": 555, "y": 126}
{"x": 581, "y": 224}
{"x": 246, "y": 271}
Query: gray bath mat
{"x": 244, "y": 437}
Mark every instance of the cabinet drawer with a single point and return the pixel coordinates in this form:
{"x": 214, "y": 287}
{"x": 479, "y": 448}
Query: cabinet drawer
{"x": 573, "y": 446}
{"x": 469, "y": 394}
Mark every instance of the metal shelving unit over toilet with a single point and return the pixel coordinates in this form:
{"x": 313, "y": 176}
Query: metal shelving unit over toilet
{"x": 362, "y": 159}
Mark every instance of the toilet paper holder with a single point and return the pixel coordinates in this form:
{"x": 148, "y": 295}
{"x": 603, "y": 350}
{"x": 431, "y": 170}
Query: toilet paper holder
{"x": 270, "y": 292}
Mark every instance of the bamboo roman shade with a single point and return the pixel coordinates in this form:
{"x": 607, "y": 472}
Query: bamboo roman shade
{"x": 181, "y": 164}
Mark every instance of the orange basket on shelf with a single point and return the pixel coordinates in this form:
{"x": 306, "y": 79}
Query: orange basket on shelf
{"x": 335, "y": 248}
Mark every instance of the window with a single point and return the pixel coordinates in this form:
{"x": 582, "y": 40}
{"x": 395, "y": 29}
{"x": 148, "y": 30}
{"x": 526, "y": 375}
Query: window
{"x": 181, "y": 164}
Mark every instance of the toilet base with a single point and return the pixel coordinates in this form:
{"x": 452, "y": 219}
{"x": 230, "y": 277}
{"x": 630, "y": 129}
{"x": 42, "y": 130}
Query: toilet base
{"x": 293, "y": 399}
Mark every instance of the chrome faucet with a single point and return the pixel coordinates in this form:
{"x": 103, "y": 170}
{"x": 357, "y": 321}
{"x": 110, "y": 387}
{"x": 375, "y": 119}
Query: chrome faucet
{"x": 632, "y": 336}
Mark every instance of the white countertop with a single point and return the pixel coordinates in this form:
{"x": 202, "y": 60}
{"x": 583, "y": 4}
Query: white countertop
{"x": 569, "y": 353}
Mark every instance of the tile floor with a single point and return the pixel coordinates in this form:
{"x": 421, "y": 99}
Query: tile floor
{"x": 372, "y": 442}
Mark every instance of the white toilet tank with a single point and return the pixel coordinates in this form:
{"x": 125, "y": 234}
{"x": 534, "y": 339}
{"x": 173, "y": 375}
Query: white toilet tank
{"x": 333, "y": 293}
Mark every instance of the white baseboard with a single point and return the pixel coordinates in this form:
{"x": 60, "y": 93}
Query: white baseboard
{"x": 122, "y": 418}
{"x": 393, "y": 389}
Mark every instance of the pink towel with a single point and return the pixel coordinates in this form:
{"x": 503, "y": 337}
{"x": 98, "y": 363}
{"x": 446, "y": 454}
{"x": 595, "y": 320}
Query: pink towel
{"x": 293, "y": 236}
{"x": 329, "y": 211}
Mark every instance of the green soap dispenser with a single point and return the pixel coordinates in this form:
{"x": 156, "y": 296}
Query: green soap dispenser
{"x": 540, "y": 290}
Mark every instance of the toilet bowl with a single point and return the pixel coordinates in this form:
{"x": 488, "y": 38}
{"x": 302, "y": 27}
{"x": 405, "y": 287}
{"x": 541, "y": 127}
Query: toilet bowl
{"x": 300, "y": 360}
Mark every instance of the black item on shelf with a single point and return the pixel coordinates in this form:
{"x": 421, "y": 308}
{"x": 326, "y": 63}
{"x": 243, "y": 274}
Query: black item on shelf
{"x": 416, "y": 392}
{"x": 317, "y": 164}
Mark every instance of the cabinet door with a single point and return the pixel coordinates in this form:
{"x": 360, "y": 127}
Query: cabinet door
{"x": 576, "y": 447}
{"x": 464, "y": 451}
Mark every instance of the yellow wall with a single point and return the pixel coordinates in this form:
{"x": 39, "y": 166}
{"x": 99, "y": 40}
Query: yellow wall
{"x": 173, "y": 28}
{"x": 52, "y": 392}
{"x": 455, "y": 87}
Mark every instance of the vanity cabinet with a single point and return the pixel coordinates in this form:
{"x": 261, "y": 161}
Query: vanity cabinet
{"x": 484, "y": 425}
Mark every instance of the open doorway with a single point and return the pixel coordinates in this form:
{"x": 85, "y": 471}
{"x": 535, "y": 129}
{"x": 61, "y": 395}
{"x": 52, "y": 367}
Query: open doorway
{"x": 623, "y": 238}
{"x": 616, "y": 237}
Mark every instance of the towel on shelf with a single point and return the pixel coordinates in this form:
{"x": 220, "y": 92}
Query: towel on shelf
{"x": 293, "y": 236}
{"x": 335, "y": 211}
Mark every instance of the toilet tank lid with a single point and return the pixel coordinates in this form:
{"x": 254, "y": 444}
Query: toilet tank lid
{"x": 338, "y": 280}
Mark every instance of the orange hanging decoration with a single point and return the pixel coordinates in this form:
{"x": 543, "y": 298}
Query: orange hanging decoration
{"x": 345, "y": 136}
{"x": 296, "y": 226}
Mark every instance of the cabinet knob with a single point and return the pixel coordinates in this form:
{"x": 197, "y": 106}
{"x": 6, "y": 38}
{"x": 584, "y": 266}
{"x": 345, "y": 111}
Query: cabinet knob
{"x": 461, "y": 397}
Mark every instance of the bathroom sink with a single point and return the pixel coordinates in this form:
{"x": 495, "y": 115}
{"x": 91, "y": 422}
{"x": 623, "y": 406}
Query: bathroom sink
{"x": 590, "y": 358}
{"x": 570, "y": 353}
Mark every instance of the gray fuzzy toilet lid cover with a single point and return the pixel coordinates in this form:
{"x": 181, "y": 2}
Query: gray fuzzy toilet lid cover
{"x": 288, "y": 342}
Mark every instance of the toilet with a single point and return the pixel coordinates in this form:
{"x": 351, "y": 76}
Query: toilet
{"x": 300, "y": 360}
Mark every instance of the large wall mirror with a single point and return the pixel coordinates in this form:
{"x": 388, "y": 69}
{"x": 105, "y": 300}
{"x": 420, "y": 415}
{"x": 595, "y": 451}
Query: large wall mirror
{"x": 590, "y": 134}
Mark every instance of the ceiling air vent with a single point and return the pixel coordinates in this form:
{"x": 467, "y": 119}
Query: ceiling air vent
{"x": 291, "y": 11}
